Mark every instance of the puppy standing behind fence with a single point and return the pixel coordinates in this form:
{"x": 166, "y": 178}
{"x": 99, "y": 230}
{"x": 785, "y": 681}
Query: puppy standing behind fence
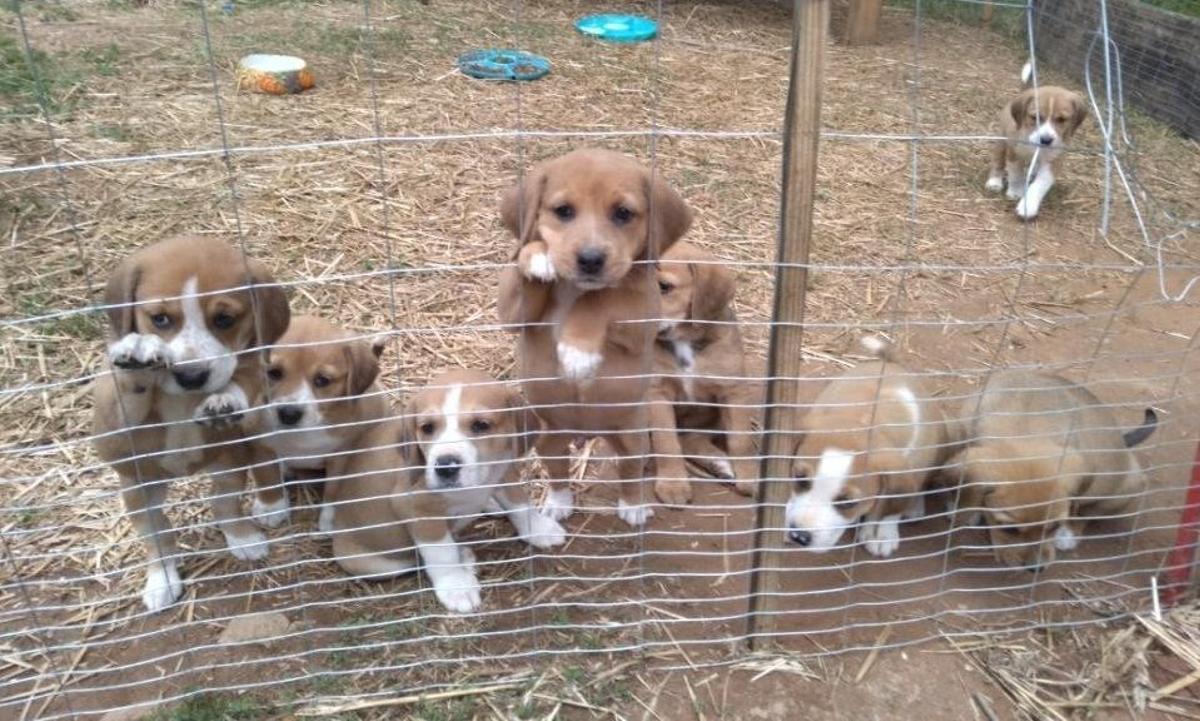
{"x": 584, "y": 298}
{"x": 415, "y": 481}
{"x": 320, "y": 398}
{"x": 872, "y": 439}
{"x": 184, "y": 315}
{"x": 1036, "y": 125}
{"x": 702, "y": 394}
{"x": 1044, "y": 456}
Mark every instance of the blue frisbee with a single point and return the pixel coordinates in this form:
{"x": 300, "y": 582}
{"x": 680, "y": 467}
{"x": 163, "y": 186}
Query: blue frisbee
{"x": 503, "y": 65}
{"x": 618, "y": 28}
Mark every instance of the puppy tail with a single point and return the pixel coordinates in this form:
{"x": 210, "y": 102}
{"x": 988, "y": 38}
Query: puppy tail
{"x": 877, "y": 347}
{"x": 1027, "y": 74}
{"x": 1142, "y": 432}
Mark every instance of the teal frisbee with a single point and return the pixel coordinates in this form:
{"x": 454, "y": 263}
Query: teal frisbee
{"x": 618, "y": 28}
{"x": 503, "y": 65}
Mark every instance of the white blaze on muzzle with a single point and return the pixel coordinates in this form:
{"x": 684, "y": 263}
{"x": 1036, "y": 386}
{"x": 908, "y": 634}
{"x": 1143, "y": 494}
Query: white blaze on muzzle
{"x": 813, "y": 512}
{"x": 195, "y": 350}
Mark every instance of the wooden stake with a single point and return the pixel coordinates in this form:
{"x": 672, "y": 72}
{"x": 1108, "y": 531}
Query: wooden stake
{"x": 862, "y": 22}
{"x": 810, "y": 23}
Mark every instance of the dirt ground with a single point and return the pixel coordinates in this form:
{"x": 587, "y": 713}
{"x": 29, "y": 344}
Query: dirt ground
{"x": 632, "y": 625}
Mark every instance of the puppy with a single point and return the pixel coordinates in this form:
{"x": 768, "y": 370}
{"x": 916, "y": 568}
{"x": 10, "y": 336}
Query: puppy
{"x": 184, "y": 315}
{"x": 584, "y": 298}
{"x": 320, "y": 397}
{"x": 1036, "y": 125}
{"x": 701, "y": 391}
{"x": 1043, "y": 456}
{"x": 870, "y": 442}
{"x": 418, "y": 480}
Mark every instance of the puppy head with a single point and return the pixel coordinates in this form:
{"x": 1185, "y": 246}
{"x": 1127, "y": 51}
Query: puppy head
{"x": 598, "y": 212}
{"x": 316, "y": 372}
{"x": 1023, "y": 492}
{"x": 467, "y": 429}
{"x": 693, "y": 286}
{"x": 832, "y": 489}
{"x": 1048, "y": 117}
{"x": 204, "y": 300}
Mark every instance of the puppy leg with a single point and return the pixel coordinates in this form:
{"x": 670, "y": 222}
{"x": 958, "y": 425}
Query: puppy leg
{"x": 632, "y": 506}
{"x": 450, "y": 567}
{"x": 881, "y": 537}
{"x": 1028, "y": 208}
{"x": 700, "y": 450}
{"x": 245, "y": 541}
{"x": 995, "y": 181}
{"x": 534, "y": 528}
{"x": 1016, "y": 179}
{"x": 736, "y": 421}
{"x": 144, "y": 504}
{"x": 554, "y": 449}
{"x": 671, "y": 483}
{"x": 270, "y": 507}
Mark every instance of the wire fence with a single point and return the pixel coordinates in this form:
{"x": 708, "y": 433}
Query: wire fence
{"x": 371, "y": 201}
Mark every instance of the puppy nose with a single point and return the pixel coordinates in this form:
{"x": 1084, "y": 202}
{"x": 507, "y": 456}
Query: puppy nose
{"x": 447, "y": 467}
{"x": 191, "y": 380}
{"x": 289, "y": 415}
{"x": 1046, "y": 139}
{"x": 800, "y": 538}
{"x": 590, "y": 261}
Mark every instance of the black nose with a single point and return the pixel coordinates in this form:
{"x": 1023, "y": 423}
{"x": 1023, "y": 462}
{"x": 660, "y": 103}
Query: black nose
{"x": 590, "y": 261}
{"x": 800, "y": 538}
{"x": 191, "y": 380}
{"x": 290, "y": 415}
{"x": 1045, "y": 140}
{"x": 447, "y": 467}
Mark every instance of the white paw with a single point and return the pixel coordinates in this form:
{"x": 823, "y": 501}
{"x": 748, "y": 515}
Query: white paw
{"x": 1065, "y": 539}
{"x": 222, "y": 409}
{"x": 1027, "y": 210}
{"x": 559, "y": 505}
{"x": 577, "y": 363}
{"x": 994, "y": 184}
{"x": 270, "y": 515}
{"x": 251, "y": 547}
{"x": 163, "y": 586}
{"x": 325, "y": 519}
{"x": 881, "y": 538}
{"x": 1015, "y": 192}
{"x": 540, "y": 268}
{"x": 915, "y": 510}
{"x": 634, "y": 514}
{"x": 545, "y": 532}
{"x": 720, "y": 468}
{"x": 136, "y": 351}
{"x": 458, "y": 591}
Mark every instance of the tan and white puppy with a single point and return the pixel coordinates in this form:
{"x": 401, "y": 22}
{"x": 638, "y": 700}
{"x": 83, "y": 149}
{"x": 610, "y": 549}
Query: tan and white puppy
{"x": 320, "y": 397}
{"x": 1037, "y": 125}
{"x": 184, "y": 316}
{"x": 871, "y": 441}
{"x": 1043, "y": 456}
{"x": 701, "y": 394}
{"x": 418, "y": 480}
{"x": 585, "y": 300}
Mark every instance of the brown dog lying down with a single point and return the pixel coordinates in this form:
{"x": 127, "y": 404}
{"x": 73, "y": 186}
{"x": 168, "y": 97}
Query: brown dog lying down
{"x": 182, "y": 320}
{"x": 1043, "y": 456}
{"x": 585, "y": 299}
{"x": 417, "y": 480}
{"x": 702, "y": 392}
{"x": 320, "y": 397}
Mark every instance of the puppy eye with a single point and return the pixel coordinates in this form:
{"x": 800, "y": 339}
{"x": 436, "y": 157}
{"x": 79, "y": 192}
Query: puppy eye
{"x": 481, "y": 426}
{"x": 426, "y": 428}
{"x": 664, "y": 287}
{"x": 275, "y": 374}
{"x": 622, "y": 215}
{"x": 1010, "y": 530}
{"x": 321, "y": 380}
{"x": 223, "y": 320}
{"x": 802, "y": 485}
{"x": 844, "y": 502}
{"x": 161, "y": 320}
{"x": 564, "y": 211}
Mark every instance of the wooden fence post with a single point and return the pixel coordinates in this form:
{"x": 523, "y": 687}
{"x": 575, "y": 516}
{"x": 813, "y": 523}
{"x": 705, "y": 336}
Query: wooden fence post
{"x": 862, "y": 22}
{"x": 802, "y": 127}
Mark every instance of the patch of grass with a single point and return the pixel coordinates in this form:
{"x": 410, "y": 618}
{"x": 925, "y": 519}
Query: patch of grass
{"x": 20, "y": 75}
{"x": 312, "y": 39}
{"x": 1183, "y": 7}
{"x": 103, "y": 59}
{"x": 50, "y": 11}
{"x": 1007, "y": 21}
{"x": 452, "y": 710}
{"x": 119, "y": 133}
{"x": 211, "y": 707}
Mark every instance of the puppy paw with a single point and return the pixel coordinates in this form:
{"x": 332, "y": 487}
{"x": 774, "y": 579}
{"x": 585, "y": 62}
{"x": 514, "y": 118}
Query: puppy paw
{"x": 222, "y": 409}
{"x": 994, "y": 184}
{"x": 673, "y": 492}
{"x": 1026, "y": 210}
{"x": 325, "y": 519}
{"x": 577, "y": 364}
{"x": 880, "y": 538}
{"x": 634, "y": 514}
{"x": 250, "y": 546}
{"x": 915, "y": 510}
{"x": 270, "y": 515}
{"x": 1014, "y": 192}
{"x": 136, "y": 351}
{"x": 720, "y": 468}
{"x": 559, "y": 505}
{"x": 746, "y": 487}
{"x": 458, "y": 591}
{"x": 545, "y": 532}
{"x": 537, "y": 266}
{"x": 163, "y": 586}
{"x": 1065, "y": 539}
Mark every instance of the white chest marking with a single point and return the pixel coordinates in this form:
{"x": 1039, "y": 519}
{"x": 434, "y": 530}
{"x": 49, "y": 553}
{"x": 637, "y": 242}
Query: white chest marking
{"x": 685, "y": 358}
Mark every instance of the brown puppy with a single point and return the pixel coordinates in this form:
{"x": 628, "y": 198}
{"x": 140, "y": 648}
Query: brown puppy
{"x": 871, "y": 441}
{"x": 585, "y": 299}
{"x": 702, "y": 390}
{"x": 1044, "y": 455}
{"x": 320, "y": 397}
{"x": 416, "y": 481}
{"x": 183, "y": 313}
{"x": 1036, "y": 125}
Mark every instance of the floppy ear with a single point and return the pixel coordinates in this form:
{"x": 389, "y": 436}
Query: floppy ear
{"x": 363, "y": 361}
{"x": 526, "y": 424}
{"x": 270, "y": 304}
{"x": 520, "y": 205}
{"x": 712, "y": 290}
{"x": 1019, "y": 106}
{"x": 1078, "y": 112}
{"x": 413, "y": 455}
{"x": 669, "y": 217}
{"x": 121, "y": 291}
